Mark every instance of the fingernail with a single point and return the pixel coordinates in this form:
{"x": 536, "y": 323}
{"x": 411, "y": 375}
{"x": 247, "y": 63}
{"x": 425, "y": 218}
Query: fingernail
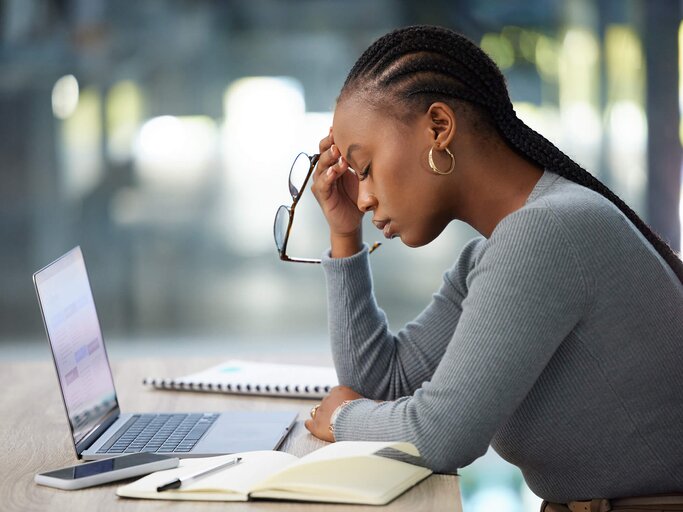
{"x": 330, "y": 172}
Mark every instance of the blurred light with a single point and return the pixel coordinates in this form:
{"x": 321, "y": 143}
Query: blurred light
{"x": 627, "y": 126}
{"x": 680, "y": 85}
{"x": 582, "y": 44}
{"x": 528, "y": 40}
{"x": 261, "y": 136}
{"x": 65, "y": 96}
{"x": 579, "y": 71}
{"x": 680, "y": 215}
{"x": 547, "y": 58}
{"x": 494, "y": 498}
{"x": 579, "y": 88}
{"x": 124, "y": 107}
{"x": 583, "y": 123}
{"x": 530, "y": 502}
{"x": 680, "y": 130}
{"x": 544, "y": 119}
{"x": 175, "y": 153}
{"x": 625, "y": 116}
{"x": 316, "y": 126}
{"x": 499, "y": 48}
{"x": 80, "y": 150}
{"x": 581, "y": 134}
{"x": 624, "y": 63}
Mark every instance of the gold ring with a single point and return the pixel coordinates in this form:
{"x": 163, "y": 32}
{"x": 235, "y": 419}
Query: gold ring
{"x": 314, "y": 411}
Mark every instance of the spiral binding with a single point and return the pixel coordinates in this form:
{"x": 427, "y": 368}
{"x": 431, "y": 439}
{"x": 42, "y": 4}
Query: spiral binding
{"x": 240, "y": 388}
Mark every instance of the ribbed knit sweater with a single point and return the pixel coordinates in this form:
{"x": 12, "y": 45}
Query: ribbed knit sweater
{"x": 558, "y": 341}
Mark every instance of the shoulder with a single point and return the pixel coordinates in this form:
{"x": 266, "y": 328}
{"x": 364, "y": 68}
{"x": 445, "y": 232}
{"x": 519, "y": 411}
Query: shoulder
{"x": 536, "y": 246}
{"x": 597, "y": 231}
{"x": 575, "y": 207}
{"x": 565, "y": 213}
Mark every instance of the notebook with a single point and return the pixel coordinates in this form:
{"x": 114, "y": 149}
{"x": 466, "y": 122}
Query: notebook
{"x": 246, "y": 377}
{"x": 359, "y": 472}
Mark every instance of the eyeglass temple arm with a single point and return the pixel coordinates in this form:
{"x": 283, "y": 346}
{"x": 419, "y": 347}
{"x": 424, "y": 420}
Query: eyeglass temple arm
{"x": 314, "y": 160}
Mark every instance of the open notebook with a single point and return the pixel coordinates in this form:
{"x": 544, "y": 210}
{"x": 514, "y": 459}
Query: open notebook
{"x": 343, "y": 472}
{"x": 246, "y": 377}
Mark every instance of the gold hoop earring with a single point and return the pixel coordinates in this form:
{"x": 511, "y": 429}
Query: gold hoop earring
{"x": 435, "y": 169}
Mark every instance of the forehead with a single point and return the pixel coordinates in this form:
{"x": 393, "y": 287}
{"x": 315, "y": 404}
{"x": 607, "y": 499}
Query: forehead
{"x": 358, "y": 122}
{"x": 352, "y": 117}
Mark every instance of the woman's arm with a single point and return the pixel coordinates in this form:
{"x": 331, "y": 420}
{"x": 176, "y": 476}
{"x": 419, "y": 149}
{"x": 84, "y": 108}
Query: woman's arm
{"x": 525, "y": 295}
{"x": 369, "y": 358}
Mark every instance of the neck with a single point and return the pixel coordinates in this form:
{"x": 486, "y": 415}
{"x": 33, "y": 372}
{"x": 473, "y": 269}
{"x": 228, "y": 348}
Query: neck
{"x": 495, "y": 181}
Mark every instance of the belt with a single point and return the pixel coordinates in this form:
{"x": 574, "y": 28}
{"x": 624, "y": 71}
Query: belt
{"x": 639, "y": 503}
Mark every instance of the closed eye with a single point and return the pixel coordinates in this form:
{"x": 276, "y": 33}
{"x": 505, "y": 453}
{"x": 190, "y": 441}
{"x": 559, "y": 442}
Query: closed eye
{"x": 364, "y": 173}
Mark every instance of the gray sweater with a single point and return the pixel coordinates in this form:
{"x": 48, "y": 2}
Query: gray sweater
{"x": 558, "y": 341}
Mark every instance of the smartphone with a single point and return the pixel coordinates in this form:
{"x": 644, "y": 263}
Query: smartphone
{"x": 106, "y": 470}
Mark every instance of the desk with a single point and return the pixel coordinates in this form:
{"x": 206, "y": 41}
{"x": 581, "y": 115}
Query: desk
{"x": 35, "y": 437}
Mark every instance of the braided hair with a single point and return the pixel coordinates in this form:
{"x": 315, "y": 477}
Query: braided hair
{"x": 423, "y": 64}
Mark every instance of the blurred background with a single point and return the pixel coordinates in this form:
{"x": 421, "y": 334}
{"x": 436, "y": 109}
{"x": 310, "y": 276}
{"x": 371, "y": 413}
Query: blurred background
{"x": 158, "y": 135}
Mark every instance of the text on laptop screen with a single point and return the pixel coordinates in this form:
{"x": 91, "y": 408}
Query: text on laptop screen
{"x": 74, "y": 332}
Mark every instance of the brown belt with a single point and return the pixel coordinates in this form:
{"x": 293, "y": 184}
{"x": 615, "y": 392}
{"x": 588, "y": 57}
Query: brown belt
{"x": 635, "y": 504}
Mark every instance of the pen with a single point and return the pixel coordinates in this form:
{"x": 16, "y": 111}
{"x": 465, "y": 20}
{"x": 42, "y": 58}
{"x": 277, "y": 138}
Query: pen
{"x": 181, "y": 482}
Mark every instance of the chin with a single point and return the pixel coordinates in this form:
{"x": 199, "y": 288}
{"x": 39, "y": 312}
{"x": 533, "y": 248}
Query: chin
{"x": 414, "y": 242}
{"x": 419, "y": 239}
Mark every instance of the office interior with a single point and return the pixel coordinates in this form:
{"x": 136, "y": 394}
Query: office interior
{"x": 158, "y": 135}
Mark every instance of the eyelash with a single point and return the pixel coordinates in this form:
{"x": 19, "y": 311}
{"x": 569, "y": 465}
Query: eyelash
{"x": 364, "y": 173}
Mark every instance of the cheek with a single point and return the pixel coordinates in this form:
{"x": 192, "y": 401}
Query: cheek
{"x": 403, "y": 175}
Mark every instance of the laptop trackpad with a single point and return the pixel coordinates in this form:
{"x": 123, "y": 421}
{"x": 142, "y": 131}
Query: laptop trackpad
{"x": 245, "y": 431}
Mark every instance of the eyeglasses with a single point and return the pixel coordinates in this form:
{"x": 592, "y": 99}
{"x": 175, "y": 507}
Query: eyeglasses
{"x": 299, "y": 174}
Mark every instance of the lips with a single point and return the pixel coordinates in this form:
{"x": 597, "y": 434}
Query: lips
{"x": 380, "y": 224}
{"x": 384, "y": 226}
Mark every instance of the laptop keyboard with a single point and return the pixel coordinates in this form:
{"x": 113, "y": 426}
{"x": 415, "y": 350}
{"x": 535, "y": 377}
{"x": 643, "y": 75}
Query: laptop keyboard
{"x": 159, "y": 433}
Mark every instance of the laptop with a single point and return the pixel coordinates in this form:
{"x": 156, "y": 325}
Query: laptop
{"x": 98, "y": 426}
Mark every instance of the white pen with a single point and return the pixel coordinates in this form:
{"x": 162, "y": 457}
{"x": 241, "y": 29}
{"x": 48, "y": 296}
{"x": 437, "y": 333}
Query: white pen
{"x": 181, "y": 482}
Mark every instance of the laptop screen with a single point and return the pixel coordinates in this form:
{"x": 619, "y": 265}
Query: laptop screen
{"x": 73, "y": 331}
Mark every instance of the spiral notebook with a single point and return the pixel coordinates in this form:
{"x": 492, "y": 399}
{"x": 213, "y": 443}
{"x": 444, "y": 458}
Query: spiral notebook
{"x": 252, "y": 378}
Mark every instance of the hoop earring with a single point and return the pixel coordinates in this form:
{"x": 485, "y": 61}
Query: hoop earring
{"x": 435, "y": 169}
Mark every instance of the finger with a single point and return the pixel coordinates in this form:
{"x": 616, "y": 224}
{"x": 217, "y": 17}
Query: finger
{"x": 323, "y": 186}
{"x": 309, "y": 425}
{"x": 327, "y": 159}
{"x": 325, "y": 143}
{"x": 324, "y": 182}
{"x": 348, "y": 187}
{"x": 335, "y": 171}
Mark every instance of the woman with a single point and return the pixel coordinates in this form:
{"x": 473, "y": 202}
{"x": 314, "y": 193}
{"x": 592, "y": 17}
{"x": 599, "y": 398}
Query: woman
{"x": 556, "y": 337}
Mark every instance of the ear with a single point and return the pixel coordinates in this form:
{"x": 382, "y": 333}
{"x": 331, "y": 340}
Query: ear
{"x": 442, "y": 124}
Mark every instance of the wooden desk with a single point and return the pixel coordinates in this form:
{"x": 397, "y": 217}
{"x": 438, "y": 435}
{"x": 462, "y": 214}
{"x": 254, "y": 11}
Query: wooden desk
{"x": 35, "y": 437}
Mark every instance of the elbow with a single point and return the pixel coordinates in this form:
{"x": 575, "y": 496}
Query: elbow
{"x": 446, "y": 441}
{"x": 445, "y": 444}
{"x": 444, "y": 457}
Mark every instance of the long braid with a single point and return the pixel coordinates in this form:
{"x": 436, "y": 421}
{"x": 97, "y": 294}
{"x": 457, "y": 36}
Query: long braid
{"x": 423, "y": 64}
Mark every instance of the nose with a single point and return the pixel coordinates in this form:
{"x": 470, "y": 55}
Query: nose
{"x": 366, "y": 200}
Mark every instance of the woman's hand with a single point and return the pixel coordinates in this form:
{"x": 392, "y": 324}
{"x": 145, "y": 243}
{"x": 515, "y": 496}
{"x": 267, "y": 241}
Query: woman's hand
{"x": 336, "y": 190}
{"x": 319, "y": 425}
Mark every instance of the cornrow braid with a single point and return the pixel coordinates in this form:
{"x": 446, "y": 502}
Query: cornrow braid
{"x": 422, "y": 64}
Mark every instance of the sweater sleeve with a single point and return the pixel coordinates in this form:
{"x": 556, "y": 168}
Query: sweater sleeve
{"x": 370, "y": 359}
{"x": 524, "y": 296}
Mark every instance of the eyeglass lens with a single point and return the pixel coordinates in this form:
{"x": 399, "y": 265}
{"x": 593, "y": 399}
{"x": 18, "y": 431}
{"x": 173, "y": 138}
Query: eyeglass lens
{"x": 280, "y": 226}
{"x": 298, "y": 173}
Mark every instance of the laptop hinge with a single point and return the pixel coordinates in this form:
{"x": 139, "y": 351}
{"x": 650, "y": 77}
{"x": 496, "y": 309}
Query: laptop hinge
{"x": 97, "y": 431}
